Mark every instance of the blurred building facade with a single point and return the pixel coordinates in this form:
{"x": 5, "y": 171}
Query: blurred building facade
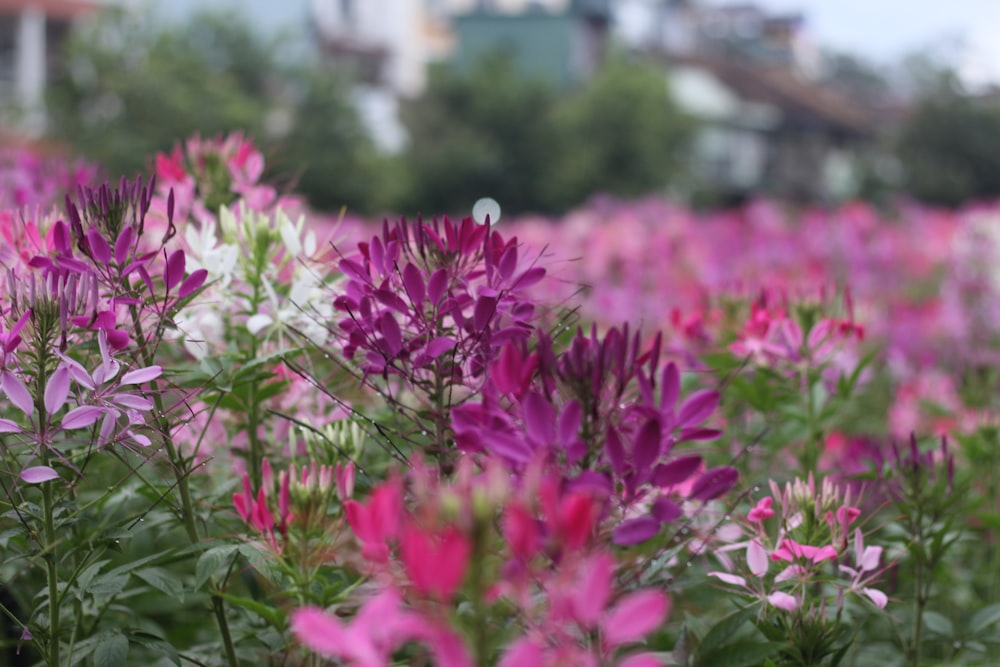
{"x": 31, "y": 34}
{"x": 752, "y": 78}
{"x": 748, "y": 74}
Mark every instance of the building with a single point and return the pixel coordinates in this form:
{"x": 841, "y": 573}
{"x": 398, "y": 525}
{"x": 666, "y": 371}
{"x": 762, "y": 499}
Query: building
{"x": 31, "y": 34}
{"x": 768, "y": 130}
{"x": 563, "y": 46}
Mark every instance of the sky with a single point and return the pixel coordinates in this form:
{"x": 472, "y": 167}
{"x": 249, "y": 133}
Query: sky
{"x": 885, "y": 30}
{"x": 968, "y": 31}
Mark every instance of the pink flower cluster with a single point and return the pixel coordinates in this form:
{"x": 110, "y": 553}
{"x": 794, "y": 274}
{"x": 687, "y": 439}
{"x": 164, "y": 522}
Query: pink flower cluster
{"x": 524, "y": 555}
{"x": 813, "y": 528}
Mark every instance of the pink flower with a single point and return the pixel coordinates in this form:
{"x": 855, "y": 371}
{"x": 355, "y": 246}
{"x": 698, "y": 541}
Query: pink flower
{"x": 791, "y": 551}
{"x": 379, "y": 628}
{"x": 435, "y": 563}
{"x": 377, "y": 521}
{"x": 762, "y": 511}
{"x": 867, "y": 563}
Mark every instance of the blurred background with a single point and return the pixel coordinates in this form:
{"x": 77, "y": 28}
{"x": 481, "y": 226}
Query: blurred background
{"x": 413, "y": 106}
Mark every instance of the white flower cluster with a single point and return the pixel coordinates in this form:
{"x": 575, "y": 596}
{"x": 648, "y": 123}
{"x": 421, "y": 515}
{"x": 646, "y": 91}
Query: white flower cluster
{"x": 259, "y": 278}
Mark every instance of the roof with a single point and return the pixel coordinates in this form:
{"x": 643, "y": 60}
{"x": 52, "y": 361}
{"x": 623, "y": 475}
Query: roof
{"x": 61, "y": 9}
{"x": 804, "y": 103}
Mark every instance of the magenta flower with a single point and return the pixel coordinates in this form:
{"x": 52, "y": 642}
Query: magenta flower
{"x": 379, "y": 628}
{"x": 377, "y": 521}
{"x": 762, "y": 511}
{"x": 792, "y": 551}
{"x": 435, "y": 561}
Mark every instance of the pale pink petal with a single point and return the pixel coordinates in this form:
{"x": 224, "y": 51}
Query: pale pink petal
{"x": 757, "y": 558}
{"x": 635, "y": 616}
{"x": 7, "y": 426}
{"x": 783, "y": 601}
{"x": 870, "y": 558}
{"x": 729, "y": 578}
{"x": 38, "y": 474}
{"x": 878, "y": 597}
{"x": 78, "y": 372}
{"x": 57, "y": 390}
{"x": 81, "y": 417}
{"x": 133, "y": 401}
{"x": 141, "y": 375}
{"x": 17, "y": 392}
{"x": 790, "y": 572}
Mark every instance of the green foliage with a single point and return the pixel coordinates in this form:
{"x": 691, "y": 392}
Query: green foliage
{"x": 489, "y": 131}
{"x": 485, "y": 132}
{"x": 135, "y": 88}
{"x": 623, "y": 135}
{"x": 950, "y": 149}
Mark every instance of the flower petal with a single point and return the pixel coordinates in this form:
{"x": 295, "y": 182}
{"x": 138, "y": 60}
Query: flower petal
{"x": 141, "y": 375}
{"x": 729, "y": 578}
{"x": 319, "y": 631}
{"x": 259, "y": 322}
{"x": 635, "y": 531}
{"x": 81, "y": 417}
{"x": 57, "y": 390}
{"x": 635, "y": 616}
{"x": 133, "y": 401}
{"x": 878, "y": 597}
{"x": 17, "y": 392}
{"x": 38, "y": 474}
{"x": 757, "y": 558}
{"x": 783, "y": 601}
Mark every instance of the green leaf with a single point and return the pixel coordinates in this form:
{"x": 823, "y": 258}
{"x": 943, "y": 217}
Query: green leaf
{"x": 938, "y": 624}
{"x": 107, "y": 586}
{"x": 87, "y": 576}
{"x": 984, "y": 618}
{"x": 270, "y": 614}
{"x": 130, "y": 567}
{"x": 211, "y": 561}
{"x": 155, "y": 643}
{"x": 111, "y": 650}
{"x": 262, "y": 562}
{"x": 724, "y": 630}
{"x": 682, "y": 648}
{"x": 162, "y": 580}
{"x": 742, "y": 653}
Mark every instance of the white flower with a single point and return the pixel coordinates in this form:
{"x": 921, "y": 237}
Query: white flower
{"x": 219, "y": 259}
{"x": 202, "y": 329}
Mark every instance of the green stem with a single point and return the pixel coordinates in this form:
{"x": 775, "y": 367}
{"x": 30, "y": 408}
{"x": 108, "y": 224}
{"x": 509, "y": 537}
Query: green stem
{"x": 48, "y": 510}
{"x": 51, "y": 570}
{"x": 180, "y": 469}
{"x": 477, "y": 577}
{"x": 813, "y": 445}
{"x": 920, "y": 599}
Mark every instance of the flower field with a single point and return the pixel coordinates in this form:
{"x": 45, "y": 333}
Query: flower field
{"x": 235, "y": 431}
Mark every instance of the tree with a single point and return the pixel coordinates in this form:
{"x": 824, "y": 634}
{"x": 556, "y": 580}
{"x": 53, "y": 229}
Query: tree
{"x": 133, "y": 88}
{"x": 485, "y": 132}
{"x": 491, "y": 132}
{"x": 624, "y": 135}
{"x": 950, "y": 149}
